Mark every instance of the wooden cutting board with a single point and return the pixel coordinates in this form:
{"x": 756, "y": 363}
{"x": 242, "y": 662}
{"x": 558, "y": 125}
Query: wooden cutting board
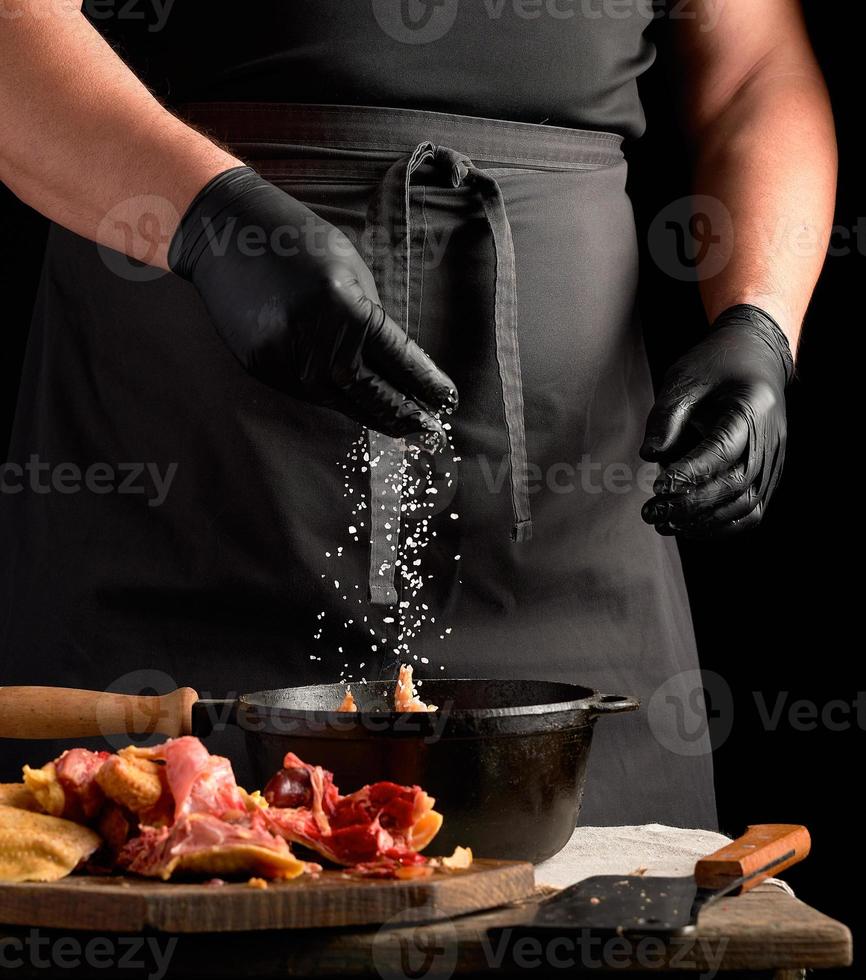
{"x": 117, "y": 904}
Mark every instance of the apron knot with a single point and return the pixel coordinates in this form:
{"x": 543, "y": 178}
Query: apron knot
{"x": 458, "y": 163}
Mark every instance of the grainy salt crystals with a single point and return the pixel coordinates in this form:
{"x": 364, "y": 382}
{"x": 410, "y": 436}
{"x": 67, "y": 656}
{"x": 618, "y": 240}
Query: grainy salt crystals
{"x": 413, "y": 481}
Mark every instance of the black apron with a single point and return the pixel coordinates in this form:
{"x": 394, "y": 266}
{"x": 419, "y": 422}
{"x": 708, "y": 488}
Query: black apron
{"x": 508, "y": 251}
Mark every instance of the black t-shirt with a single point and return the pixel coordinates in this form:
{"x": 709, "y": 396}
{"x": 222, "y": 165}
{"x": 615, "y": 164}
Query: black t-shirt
{"x": 564, "y": 62}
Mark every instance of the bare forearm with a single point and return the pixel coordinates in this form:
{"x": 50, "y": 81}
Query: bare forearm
{"x": 82, "y": 140}
{"x": 769, "y": 158}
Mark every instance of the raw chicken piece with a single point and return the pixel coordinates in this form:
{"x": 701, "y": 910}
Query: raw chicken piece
{"x": 176, "y": 808}
{"x": 348, "y": 702}
{"x": 215, "y": 828}
{"x": 202, "y": 843}
{"x": 197, "y": 781}
{"x": 172, "y": 807}
{"x": 380, "y": 823}
{"x": 405, "y": 696}
{"x": 67, "y": 786}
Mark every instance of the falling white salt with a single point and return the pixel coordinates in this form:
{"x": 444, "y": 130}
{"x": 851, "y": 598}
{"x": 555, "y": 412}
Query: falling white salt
{"x": 413, "y": 482}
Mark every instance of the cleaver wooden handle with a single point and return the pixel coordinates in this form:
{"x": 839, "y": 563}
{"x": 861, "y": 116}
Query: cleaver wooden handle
{"x": 762, "y": 852}
{"x": 65, "y": 712}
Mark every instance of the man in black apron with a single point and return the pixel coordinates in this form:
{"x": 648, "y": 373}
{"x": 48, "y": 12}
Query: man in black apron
{"x": 379, "y": 182}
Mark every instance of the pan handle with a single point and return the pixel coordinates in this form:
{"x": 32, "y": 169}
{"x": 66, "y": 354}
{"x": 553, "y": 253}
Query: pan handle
{"x": 65, "y": 712}
{"x": 611, "y": 704}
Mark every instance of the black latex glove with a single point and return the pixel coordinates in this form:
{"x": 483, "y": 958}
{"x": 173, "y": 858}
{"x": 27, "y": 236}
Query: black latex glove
{"x": 718, "y": 428}
{"x": 296, "y": 304}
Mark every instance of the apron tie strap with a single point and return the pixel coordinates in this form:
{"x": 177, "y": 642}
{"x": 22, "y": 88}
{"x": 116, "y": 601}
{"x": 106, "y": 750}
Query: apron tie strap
{"x": 386, "y": 246}
{"x": 505, "y": 319}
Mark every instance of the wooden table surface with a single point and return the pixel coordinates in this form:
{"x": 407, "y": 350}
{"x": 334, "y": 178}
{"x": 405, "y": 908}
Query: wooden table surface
{"x": 763, "y": 933}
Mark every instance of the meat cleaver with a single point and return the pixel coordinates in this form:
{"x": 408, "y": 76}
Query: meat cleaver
{"x": 665, "y": 906}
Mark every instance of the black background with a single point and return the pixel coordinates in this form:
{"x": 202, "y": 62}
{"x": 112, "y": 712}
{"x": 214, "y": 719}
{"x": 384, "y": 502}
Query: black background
{"x": 775, "y": 610}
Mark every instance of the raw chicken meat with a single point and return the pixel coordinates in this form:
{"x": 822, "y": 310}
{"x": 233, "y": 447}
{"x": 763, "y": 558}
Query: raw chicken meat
{"x": 405, "y": 696}
{"x": 214, "y": 828}
{"x": 67, "y": 787}
{"x": 348, "y": 702}
{"x": 383, "y": 824}
{"x": 174, "y": 808}
{"x": 202, "y": 843}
